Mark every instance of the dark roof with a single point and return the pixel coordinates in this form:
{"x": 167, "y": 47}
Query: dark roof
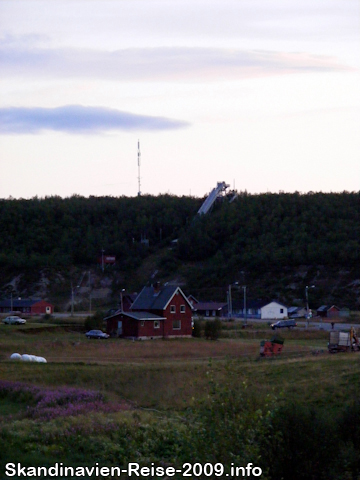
{"x": 137, "y": 315}
{"x": 209, "y": 306}
{"x": 156, "y": 299}
{"x": 295, "y": 309}
{"x": 323, "y": 308}
{"x": 19, "y": 302}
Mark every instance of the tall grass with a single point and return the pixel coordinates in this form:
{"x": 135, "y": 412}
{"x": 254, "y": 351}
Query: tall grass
{"x": 182, "y": 404}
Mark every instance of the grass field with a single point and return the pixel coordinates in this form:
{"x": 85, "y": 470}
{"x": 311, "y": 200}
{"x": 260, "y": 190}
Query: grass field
{"x": 154, "y": 393}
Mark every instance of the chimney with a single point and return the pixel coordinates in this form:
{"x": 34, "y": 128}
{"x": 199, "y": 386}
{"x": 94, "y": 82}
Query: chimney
{"x": 156, "y": 287}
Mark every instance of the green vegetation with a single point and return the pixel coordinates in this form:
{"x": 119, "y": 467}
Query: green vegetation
{"x": 212, "y": 329}
{"x": 275, "y": 243}
{"x": 167, "y": 402}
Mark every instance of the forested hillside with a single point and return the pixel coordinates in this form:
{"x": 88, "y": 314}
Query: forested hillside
{"x": 275, "y": 243}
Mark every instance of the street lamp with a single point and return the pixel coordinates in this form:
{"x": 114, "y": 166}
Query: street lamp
{"x": 230, "y": 299}
{"x": 307, "y": 302}
{"x": 122, "y": 300}
{"x": 102, "y": 260}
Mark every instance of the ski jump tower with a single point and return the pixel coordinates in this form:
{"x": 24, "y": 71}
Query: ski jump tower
{"x": 213, "y": 195}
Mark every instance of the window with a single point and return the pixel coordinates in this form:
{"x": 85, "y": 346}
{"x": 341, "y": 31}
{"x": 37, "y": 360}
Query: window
{"x": 281, "y": 310}
{"x": 172, "y": 309}
{"x": 176, "y": 324}
{"x": 182, "y": 308}
{"x": 156, "y": 324}
{"x": 142, "y": 323}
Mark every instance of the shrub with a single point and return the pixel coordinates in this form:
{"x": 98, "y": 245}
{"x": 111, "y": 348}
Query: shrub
{"x": 303, "y": 444}
{"x": 213, "y": 329}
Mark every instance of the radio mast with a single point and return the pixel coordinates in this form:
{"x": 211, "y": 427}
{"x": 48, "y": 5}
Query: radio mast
{"x": 139, "y": 158}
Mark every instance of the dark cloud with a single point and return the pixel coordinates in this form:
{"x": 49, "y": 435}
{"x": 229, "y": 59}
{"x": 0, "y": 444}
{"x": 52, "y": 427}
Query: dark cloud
{"x": 79, "y": 119}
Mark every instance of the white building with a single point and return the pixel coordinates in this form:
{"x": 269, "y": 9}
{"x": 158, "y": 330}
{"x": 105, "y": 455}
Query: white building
{"x": 274, "y": 311}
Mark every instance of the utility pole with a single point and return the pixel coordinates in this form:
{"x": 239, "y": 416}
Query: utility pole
{"x": 90, "y": 291}
{"x": 307, "y": 302}
{"x": 230, "y": 299}
{"x": 72, "y": 300}
{"x": 245, "y": 313}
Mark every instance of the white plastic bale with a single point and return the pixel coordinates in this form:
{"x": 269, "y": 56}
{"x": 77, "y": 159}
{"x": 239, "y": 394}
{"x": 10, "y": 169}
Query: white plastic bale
{"x": 15, "y": 356}
{"x": 26, "y": 358}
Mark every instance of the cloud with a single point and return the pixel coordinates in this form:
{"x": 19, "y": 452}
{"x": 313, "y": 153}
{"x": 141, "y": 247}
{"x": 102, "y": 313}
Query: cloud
{"x": 161, "y": 63}
{"x": 79, "y": 119}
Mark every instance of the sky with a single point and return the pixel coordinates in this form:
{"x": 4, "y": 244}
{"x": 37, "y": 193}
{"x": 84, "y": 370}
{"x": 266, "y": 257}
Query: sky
{"x": 261, "y": 94}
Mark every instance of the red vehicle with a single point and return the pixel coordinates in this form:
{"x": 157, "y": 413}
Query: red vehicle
{"x": 269, "y": 348}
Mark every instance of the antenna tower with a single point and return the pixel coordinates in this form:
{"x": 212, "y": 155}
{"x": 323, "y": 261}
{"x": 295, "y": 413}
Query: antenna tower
{"x": 139, "y": 161}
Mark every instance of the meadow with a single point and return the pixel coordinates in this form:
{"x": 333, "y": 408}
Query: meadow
{"x": 167, "y": 402}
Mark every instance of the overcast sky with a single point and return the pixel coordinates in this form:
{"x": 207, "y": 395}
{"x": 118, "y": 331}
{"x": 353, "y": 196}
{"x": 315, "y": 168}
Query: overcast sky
{"x": 261, "y": 94}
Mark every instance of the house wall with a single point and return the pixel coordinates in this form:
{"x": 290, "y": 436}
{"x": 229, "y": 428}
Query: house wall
{"x": 333, "y": 312}
{"x": 134, "y": 328}
{"x": 129, "y": 326}
{"x": 147, "y": 329}
{"x": 274, "y": 310}
{"x": 42, "y": 308}
{"x": 185, "y": 318}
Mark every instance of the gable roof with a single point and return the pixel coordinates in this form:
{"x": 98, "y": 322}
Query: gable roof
{"x": 20, "y": 302}
{"x": 273, "y": 301}
{"x": 156, "y": 299}
{"x": 141, "y": 316}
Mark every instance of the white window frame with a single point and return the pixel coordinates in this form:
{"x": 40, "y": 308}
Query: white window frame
{"x": 156, "y": 324}
{"x": 172, "y": 308}
{"x": 182, "y": 309}
{"x": 177, "y": 322}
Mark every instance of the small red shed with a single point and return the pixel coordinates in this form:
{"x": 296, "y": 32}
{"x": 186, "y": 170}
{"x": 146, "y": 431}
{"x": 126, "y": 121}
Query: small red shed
{"x": 30, "y": 306}
{"x": 328, "y": 311}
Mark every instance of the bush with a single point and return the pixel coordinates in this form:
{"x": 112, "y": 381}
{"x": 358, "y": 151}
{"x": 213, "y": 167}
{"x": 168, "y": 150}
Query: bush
{"x": 213, "y": 329}
{"x": 304, "y": 444}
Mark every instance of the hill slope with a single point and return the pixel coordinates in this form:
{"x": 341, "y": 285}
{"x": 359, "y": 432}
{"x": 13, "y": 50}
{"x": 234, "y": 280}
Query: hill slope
{"x": 276, "y": 244}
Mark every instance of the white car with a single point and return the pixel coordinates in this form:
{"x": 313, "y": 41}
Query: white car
{"x": 13, "y": 320}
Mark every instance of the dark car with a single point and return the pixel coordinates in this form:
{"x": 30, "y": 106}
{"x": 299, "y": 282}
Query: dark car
{"x": 283, "y": 324}
{"x": 96, "y": 334}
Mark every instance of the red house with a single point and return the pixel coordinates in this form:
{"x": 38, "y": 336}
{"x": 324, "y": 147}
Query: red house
{"x": 328, "y": 311}
{"x": 31, "y": 306}
{"x": 157, "y": 312}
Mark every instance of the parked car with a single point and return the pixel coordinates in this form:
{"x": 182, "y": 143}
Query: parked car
{"x": 96, "y": 334}
{"x": 14, "y": 320}
{"x": 283, "y": 324}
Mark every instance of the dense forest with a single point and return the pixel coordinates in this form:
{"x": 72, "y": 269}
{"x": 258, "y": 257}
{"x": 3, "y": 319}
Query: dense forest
{"x": 272, "y": 242}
